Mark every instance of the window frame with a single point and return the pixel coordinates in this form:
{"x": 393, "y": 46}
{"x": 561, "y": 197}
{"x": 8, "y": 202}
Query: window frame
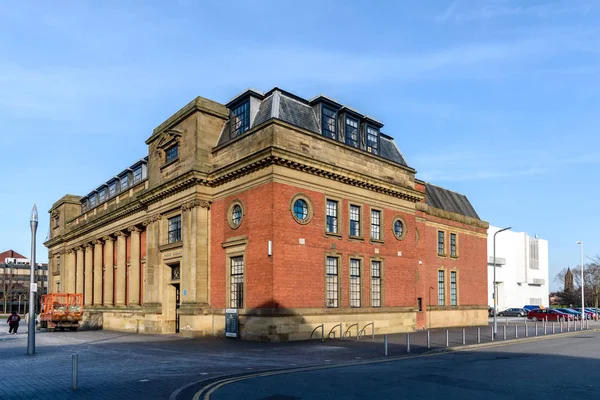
{"x": 381, "y": 224}
{"x": 169, "y": 157}
{"x": 404, "y": 227}
{"x": 350, "y": 220}
{"x": 135, "y": 181}
{"x": 229, "y": 216}
{"x": 338, "y": 217}
{"x": 240, "y": 300}
{"x": 332, "y": 135}
{"x": 441, "y": 289}
{"x": 441, "y": 245}
{"x": 454, "y": 288}
{"x": 377, "y": 140}
{"x": 453, "y": 246}
{"x": 244, "y": 124}
{"x": 360, "y": 282}
{"x": 124, "y": 177}
{"x": 102, "y": 195}
{"x": 337, "y": 289}
{"x": 346, "y": 132}
{"x": 179, "y": 229}
{"x": 113, "y": 189}
{"x": 380, "y": 283}
{"x": 309, "y": 205}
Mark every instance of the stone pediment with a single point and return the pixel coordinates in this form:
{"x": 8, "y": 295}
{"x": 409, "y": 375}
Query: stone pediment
{"x": 169, "y": 138}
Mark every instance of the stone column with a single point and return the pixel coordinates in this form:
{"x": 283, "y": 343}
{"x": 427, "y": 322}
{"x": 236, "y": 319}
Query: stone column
{"x": 109, "y": 269}
{"x": 89, "y": 284}
{"x": 134, "y": 267}
{"x": 121, "y": 268}
{"x": 98, "y": 272}
{"x": 79, "y": 270}
{"x": 69, "y": 284}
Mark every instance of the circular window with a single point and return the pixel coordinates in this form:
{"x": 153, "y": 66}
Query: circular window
{"x": 399, "y": 228}
{"x": 301, "y": 208}
{"x": 235, "y": 213}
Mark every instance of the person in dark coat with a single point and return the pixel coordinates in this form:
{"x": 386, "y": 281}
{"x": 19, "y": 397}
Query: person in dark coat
{"x": 13, "y": 323}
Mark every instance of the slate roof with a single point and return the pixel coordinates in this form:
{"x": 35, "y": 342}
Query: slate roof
{"x": 448, "y": 200}
{"x": 287, "y": 107}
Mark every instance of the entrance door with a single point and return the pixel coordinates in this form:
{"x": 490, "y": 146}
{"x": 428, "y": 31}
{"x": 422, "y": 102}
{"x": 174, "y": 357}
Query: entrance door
{"x": 177, "y": 304}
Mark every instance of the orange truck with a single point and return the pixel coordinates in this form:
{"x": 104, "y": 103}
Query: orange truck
{"x": 61, "y": 311}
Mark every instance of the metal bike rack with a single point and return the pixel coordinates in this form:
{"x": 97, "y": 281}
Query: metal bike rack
{"x": 322, "y": 326}
{"x": 335, "y": 326}
{"x": 348, "y": 330}
{"x": 365, "y": 327}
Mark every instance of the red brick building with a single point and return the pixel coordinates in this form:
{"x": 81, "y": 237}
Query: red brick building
{"x": 295, "y": 212}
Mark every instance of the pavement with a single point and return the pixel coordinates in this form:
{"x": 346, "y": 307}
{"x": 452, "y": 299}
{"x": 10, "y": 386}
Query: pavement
{"x": 119, "y": 365}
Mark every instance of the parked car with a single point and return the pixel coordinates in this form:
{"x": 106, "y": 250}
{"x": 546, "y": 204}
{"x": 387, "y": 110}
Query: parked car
{"x": 532, "y": 307}
{"x": 549, "y": 314}
{"x": 513, "y": 312}
{"x": 576, "y": 315}
{"x": 588, "y": 314}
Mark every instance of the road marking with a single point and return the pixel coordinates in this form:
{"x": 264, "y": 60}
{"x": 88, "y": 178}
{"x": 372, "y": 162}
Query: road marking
{"x": 212, "y": 387}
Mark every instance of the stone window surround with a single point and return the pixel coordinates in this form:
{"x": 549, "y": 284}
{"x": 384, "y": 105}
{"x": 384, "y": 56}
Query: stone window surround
{"x": 309, "y": 205}
{"x": 164, "y": 237}
{"x": 235, "y": 247}
{"x": 381, "y": 225}
{"x": 437, "y": 252}
{"x": 361, "y": 259}
{"x": 455, "y": 271}
{"x": 444, "y": 284}
{"x": 381, "y": 280}
{"x": 457, "y": 254}
{"x": 361, "y": 230}
{"x": 339, "y": 258}
{"x": 229, "y": 215}
{"x": 340, "y": 219}
{"x": 404, "y": 227}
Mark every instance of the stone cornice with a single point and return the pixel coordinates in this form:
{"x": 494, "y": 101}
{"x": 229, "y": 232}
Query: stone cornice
{"x": 436, "y": 212}
{"x": 195, "y": 203}
{"x": 176, "y": 185}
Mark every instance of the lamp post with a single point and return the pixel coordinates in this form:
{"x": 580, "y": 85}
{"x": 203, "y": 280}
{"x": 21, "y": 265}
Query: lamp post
{"x": 32, "y": 285}
{"x": 580, "y": 243}
{"x": 495, "y": 292}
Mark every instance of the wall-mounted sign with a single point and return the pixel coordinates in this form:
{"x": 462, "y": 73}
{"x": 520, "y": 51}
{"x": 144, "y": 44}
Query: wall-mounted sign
{"x": 231, "y": 322}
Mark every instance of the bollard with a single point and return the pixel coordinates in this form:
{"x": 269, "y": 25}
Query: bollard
{"x": 447, "y": 338}
{"x": 75, "y": 372}
{"x": 561, "y": 328}
{"x": 373, "y": 330}
{"x": 464, "y": 336}
{"x": 568, "y": 326}
{"x": 504, "y": 333}
{"x": 341, "y": 333}
{"x": 478, "y": 335}
{"x": 516, "y": 331}
{"x": 385, "y": 344}
{"x": 492, "y": 336}
{"x": 553, "y": 327}
{"x": 407, "y": 343}
{"x": 536, "y": 329}
{"x": 526, "y": 330}
{"x": 587, "y": 324}
{"x": 428, "y": 341}
{"x": 544, "y": 329}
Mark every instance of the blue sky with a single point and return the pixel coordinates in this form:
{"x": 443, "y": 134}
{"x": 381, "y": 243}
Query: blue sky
{"x": 494, "y": 99}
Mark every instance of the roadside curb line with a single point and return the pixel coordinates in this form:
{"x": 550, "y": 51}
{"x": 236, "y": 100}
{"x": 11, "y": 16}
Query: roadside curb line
{"x": 225, "y": 379}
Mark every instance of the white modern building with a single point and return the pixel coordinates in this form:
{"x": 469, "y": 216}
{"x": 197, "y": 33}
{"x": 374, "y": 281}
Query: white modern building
{"x": 521, "y": 269}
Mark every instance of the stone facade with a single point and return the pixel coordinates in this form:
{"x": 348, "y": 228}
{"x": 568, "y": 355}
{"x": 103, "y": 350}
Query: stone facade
{"x": 209, "y": 220}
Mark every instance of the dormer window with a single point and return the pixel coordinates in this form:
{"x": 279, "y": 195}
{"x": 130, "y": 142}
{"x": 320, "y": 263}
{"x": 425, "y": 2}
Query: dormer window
{"x": 172, "y": 153}
{"x": 352, "y": 132}
{"x": 240, "y": 119}
{"x": 372, "y": 140}
{"x": 92, "y": 201}
{"x": 137, "y": 175}
{"x": 328, "y": 122}
{"x": 101, "y": 195}
{"x": 124, "y": 182}
{"x": 112, "y": 189}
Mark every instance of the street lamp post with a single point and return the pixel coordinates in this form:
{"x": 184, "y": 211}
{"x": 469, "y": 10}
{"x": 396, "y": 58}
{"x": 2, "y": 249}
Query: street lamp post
{"x": 32, "y": 285}
{"x": 495, "y": 291}
{"x": 580, "y": 243}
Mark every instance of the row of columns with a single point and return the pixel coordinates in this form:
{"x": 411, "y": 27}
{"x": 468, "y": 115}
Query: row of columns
{"x": 92, "y": 271}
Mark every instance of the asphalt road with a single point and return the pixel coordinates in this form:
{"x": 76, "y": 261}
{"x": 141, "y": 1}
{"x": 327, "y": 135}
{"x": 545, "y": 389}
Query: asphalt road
{"x": 559, "y": 368}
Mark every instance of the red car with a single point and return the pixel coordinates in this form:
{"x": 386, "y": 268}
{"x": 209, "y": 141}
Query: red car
{"x": 548, "y": 314}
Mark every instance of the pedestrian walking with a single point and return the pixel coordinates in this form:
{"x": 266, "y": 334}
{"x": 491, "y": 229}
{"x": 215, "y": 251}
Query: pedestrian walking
{"x": 13, "y": 323}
